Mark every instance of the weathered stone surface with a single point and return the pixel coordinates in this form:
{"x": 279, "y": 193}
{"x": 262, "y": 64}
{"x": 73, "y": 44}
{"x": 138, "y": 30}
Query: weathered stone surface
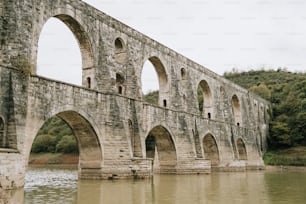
{"x": 108, "y": 116}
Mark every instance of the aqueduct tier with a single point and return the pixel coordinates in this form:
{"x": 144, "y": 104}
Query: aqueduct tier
{"x": 201, "y": 122}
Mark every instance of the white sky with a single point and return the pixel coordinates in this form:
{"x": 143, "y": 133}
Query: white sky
{"x": 219, "y": 34}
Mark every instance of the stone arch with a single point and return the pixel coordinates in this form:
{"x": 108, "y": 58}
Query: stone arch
{"x": 162, "y": 80}
{"x": 236, "y": 110}
{"x": 88, "y": 82}
{"x": 211, "y": 150}
{"x": 120, "y": 51}
{"x": 159, "y": 141}
{"x": 183, "y": 73}
{"x": 241, "y": 149}
{"x": 83, "y": 41}
{"x": 90, "y": 150}
{"x": 2, "y": 133}
{"x": 205, "y": 99}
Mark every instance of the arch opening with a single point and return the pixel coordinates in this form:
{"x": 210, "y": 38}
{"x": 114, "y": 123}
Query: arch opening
{"x": 120, "y": 51}
{"x": 160, "y": 147}
{"x": 2, "y": 136}
{"x": 183, "y": 74}
{"x": 66, "y": 55}
{"x": 204, "y": 99}
{"x": 236, "y": 110}
{"x": 154, "y": 82}
{"x": 69, "y": 132}
{"x": 88, "y": 82}
{"x": 241, "y": 150}
{"x": 211, "y": 150}
{"x": 120, "y": 83}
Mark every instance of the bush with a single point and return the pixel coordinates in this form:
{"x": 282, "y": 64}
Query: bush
{"x": 50, "y": 137}
{"x": 151, "y": 97}
{"x": 44, "y": 143}
{"x": 274, "y": 159}
{"x": 261, "y": 90}
{"x": 68, "y": 144}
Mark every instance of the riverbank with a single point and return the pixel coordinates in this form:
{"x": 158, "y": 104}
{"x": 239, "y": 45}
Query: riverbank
{"x": 291, "y": 159}
{"x": 286, "y": 168}
{"x": 293, "y": 156}
{"x": 54, "y": 159}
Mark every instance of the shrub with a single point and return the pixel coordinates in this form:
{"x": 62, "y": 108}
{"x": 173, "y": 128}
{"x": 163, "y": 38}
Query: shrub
{"x": 151, "y": 97}
{"x": 68, "y": 144}
{"x": 44, "y": 143}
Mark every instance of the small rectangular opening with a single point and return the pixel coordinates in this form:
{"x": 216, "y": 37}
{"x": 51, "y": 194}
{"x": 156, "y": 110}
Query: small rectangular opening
{"x": 165, "y": 103}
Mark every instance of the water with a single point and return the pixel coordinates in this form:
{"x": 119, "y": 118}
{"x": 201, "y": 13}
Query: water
{"x": 61, "y": 186}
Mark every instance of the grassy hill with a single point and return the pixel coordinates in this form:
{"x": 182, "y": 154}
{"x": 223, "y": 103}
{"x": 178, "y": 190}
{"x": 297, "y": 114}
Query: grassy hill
{"x": 55, "y": 136}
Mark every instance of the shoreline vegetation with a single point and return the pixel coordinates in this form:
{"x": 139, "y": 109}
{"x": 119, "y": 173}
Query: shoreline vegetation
{"x": 294, "y": 156}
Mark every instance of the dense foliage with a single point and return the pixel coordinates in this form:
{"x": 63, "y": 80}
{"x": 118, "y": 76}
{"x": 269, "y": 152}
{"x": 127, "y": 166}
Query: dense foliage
{"x": 287, "y": 93}
{"x": 151, "y": 97}
{"x": 55, "y": 136}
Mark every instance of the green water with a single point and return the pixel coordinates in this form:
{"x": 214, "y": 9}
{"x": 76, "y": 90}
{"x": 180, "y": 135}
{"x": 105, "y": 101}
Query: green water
{"x": 61, "y": 186}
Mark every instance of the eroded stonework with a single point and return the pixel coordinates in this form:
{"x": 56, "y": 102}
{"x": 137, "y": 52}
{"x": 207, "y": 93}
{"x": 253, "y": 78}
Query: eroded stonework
{"x": 119, "y": 135}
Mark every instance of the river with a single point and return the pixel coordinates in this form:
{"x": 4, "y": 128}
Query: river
{"x": 46, "y": 185}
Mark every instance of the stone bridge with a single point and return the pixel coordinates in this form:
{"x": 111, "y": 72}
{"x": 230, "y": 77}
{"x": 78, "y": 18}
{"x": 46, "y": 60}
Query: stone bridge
{"x": 119, "y": 135}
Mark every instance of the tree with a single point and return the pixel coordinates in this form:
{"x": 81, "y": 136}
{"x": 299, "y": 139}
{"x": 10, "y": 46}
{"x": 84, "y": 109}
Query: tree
{"x": 279, "y": 135}
{"x": 151, "y": 97}
{"x": 68, "y": 144}
{"x": 301, "y": 125}
{"x": 44, "y": 143}
{"x": 261, "y": 90}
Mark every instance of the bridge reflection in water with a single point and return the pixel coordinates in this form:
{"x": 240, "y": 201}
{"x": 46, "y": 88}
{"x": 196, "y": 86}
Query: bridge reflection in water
{"x": 54, "y": 186}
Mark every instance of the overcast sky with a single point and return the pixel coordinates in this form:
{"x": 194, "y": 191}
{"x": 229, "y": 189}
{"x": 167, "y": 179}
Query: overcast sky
{"x": 219, "y": 34}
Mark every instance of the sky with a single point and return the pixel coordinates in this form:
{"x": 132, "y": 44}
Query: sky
{"x": 218, "y": 34}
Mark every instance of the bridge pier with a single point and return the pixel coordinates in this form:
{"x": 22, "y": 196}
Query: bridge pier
{"x": 12, "y": 170}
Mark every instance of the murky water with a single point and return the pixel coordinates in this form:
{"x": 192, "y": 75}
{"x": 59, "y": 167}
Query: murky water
{"x": 61, "y": 186}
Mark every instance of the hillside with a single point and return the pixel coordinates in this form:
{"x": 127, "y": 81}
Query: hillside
{"x": 287, "y": 93}
{"x": 55, "y": 136}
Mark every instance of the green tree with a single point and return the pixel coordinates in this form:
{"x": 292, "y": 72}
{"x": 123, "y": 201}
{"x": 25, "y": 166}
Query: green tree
{"x": 301, "y": 125}
{"x": 261, "y": 90}
{"x": 151, "y": 97}
{"x": 279, "y": 135}
{"x": 44, "y": 143}
{"x": 51, "y": 134}
{"x": 68, "y": 144}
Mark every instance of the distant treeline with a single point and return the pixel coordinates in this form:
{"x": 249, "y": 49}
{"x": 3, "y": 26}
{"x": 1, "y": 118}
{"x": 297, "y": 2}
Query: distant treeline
{"x": 287, "y": 93}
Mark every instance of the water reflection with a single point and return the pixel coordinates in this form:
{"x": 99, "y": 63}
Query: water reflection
{"x": 61, "y": 186}
{"x": 286, "y": 187}
{"x": 45, "y": 185}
